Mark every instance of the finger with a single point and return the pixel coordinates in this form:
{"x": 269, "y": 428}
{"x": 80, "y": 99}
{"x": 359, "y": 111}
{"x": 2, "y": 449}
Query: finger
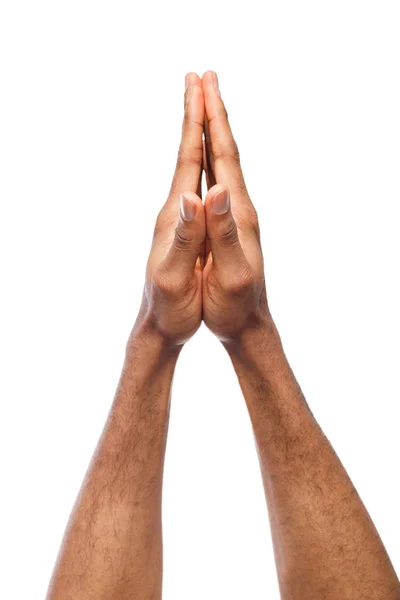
{"x": 190, "y": 157}
{"x": 222, "y": 233}
{"x": 209, "y": 182}
{"x": 223, "y": 149}
{"x": 189, "y": 239}
{"x": 208, "y": 163}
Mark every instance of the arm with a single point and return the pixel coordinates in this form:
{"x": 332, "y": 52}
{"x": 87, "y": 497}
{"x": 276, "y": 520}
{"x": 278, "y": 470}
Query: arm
{"x": 326, "y": 545}
{"x": 112, "y": 548}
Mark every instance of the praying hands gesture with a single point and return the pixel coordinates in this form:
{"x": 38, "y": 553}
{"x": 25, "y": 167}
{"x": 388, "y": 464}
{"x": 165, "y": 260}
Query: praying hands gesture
{"x": 206, "y": 260}
{"x": 206, "y": 264}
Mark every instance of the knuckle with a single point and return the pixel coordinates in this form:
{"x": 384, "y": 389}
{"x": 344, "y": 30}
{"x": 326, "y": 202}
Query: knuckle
{"x": 255, "y": 224}
{"x": 159, "y": 226}
{"x": 166, "y": 285}
{"x": 188, "y": 157}
{"x": 240, "y": 281}
{"x": 247, "y": 218}
{"x": 187, "y": 120}
{"x": 183, "y": 238}
{"x": 228, "y": 235}
{"x": 251, "y": 218}
{"x": 227, "y": 151}
{"x": 164, "y": 221}
{"x": 160, "y": 282}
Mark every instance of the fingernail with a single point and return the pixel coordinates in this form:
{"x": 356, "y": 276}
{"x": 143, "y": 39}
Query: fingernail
{"x": 188, "y": 209}
{"x": 221, "y": 202}
{"x": 215, "y": 82}
{"x": 186, "y": 82}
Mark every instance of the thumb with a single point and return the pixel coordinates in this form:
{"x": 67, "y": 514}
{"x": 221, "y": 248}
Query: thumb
{"x": 189, "y": 238}
{"x": 222, "y": 232}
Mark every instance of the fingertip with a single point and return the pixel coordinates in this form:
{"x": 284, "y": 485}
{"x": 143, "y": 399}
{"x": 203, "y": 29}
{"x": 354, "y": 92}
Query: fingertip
{"x": 191, "y": 207}
{"x": 194, "y": 101}
{"x": 221, "y": 202}
{"x": 192, "y": 86}
{"x": 193, "y": 197}
{"x": 210, "y": 77}
{"x": 188, "y": 208}
{"x": 212, "y": 95}
{"x": 221, "y": 228}
{"x": 214, "y": 191}
{"x": 192, "y": 79}
{"x": 189, "y": 234}
{"x": 210, "y": 82}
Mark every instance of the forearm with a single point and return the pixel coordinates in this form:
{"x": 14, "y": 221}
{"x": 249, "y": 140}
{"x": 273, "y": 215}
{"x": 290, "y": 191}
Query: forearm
{"x": 325, "y": 542}
{"x": 112, "y": 547}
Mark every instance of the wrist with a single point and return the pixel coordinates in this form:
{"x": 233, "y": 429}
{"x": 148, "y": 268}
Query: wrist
{"x": 261, "y": 332}
{"x": 147, "y": 331}
{"x": 257, "y": 346}
{"x": 148, "y": 353}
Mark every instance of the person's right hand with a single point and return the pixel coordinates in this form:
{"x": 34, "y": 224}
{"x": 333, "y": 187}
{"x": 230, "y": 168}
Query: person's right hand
{"x": 172, "y": 300}
{"x": 234, "y": 296}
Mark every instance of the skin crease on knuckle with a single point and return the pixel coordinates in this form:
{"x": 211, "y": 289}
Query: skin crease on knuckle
{"x": 326, "y": 545}
{"x": 249, "y": 218}
{"x": 228, "y": 235}
{"x": 183, "y": 238}
{"x": 171, "y": 286}
{"x": 241, "y": 282}
{"x": 190, "y": 158}
{"x": 165, "y": 222}
{"x": 228, "y": 152}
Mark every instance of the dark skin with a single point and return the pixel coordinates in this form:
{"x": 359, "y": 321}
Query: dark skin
{"x": 206, "y": 263}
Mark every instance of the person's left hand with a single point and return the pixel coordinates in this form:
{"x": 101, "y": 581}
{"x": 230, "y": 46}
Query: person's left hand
{"x": 234, "y": 294}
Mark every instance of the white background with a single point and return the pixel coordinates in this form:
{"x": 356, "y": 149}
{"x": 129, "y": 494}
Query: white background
{"x": 90, "y": 115}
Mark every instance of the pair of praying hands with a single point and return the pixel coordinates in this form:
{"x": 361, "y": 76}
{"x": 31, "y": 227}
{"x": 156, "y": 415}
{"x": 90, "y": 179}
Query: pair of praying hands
{"x": 206, "y": 261}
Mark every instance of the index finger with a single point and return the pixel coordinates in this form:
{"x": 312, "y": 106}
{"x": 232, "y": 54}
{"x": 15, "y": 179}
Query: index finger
{"x": 190, "y": 157}
{"x": 221, "y": 145}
